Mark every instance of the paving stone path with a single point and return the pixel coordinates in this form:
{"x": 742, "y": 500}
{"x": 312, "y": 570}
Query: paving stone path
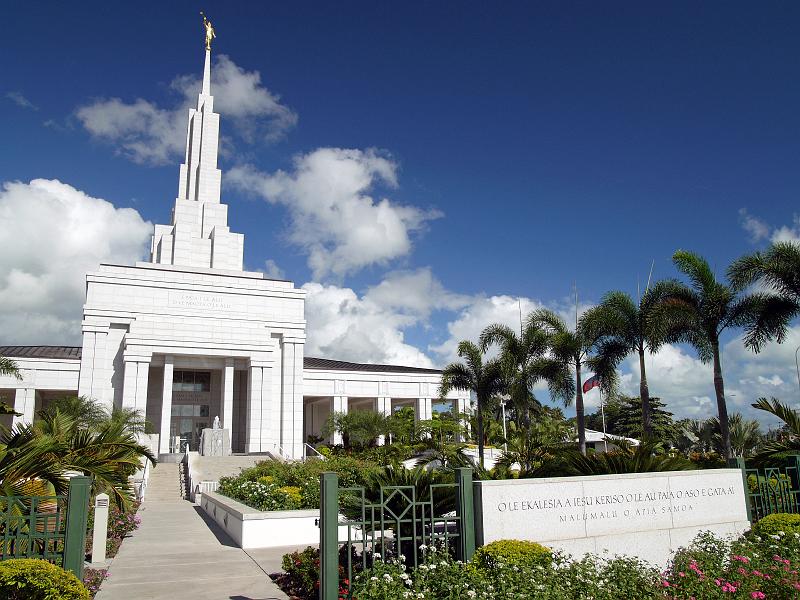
{"x": 177, "y": 554}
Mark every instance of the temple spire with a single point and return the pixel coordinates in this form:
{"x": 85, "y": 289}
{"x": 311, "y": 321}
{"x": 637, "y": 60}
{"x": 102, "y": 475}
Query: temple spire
{"x": 206, "y": 89}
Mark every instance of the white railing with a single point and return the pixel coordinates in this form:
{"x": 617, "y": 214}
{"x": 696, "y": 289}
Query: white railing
{"x": 140, "y": 484}
{"x": 204, "y": 487}
{"x": 315, "y": 451}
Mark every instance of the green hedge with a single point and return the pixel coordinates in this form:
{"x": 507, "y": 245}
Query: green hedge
{"x": 512, "y": 553}
{"x": 776, "y": 523}
{"x": 35, "y": 579}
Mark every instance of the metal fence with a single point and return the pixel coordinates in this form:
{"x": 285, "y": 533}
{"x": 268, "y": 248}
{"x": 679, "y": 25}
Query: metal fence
{"x": 772, "y": 489}
{"x": 52, "y": 528}
{"x": 355, "y": 528}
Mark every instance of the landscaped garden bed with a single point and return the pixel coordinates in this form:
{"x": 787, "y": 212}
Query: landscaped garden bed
{"x": 760, "y": 564}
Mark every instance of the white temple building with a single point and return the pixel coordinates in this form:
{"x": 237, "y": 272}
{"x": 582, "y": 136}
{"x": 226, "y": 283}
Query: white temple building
{"x": 189, "y": 335}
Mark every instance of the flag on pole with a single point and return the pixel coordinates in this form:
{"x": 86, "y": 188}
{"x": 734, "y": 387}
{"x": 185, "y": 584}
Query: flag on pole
{"x": 592, "y": 382}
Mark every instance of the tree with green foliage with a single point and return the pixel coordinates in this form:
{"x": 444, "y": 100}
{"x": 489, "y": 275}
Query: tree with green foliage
{"x": 789, "y": 443}
{"x": 569, "y": 350}
{"x": 525, "y": 362}
{"x": 34, "y": 458}
{"x": 697, "y": 314}
{"x": 358, "y": 428}
{"x": 484, "y": 378}
{"x": 540, "y": 441}
{"x": 623, "y": 416}
{"x": 777, "y": 269}
{"x": 622, "y": 327}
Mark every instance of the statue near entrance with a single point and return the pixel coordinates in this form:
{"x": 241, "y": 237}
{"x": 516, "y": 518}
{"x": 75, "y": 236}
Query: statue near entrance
{"x": 210, "y": 33}
{"x": 216, "y": 423}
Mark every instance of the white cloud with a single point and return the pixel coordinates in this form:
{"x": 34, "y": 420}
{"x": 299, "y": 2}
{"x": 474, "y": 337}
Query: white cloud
{"x": 760, "y": 230}
{"x": 788, "y": 233}
{"x": 480, "y": 312}
{"x": 334, "y": 217}
{"x": 774, "y": 381}
{"x": 20, "y": 100}
{"x": 415, "y": 292}
{"x": 686, "y": 384}
{"x": 757, "y": 228}
{"x": 344, "y": 326}
{"x": 150, "y": 134}
{"x": 273, "y": 271}
{"x": 51, "y": 235}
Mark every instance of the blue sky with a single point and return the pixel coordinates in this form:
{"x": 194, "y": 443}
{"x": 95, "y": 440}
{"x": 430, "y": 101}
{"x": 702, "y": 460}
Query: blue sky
{"x": 527, "y": 147}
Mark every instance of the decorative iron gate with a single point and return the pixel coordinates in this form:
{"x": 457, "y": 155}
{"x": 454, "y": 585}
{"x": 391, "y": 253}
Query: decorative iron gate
{"x": 400, "y": 520}
{"x": 52, "y": 528}
{"x": 769, "y": 490}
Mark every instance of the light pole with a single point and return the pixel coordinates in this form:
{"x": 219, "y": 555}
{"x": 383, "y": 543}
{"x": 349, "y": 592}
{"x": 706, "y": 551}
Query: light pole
{"x": 505, "y": 441}
{"x": 797, "y": 366}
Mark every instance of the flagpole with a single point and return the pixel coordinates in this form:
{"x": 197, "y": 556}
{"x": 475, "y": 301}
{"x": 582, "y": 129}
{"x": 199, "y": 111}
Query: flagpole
{"x": 603, "y": 416}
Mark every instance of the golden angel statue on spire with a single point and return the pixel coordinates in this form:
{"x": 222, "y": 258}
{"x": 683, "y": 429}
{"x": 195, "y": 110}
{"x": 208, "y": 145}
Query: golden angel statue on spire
{"x": 210, "y": 33}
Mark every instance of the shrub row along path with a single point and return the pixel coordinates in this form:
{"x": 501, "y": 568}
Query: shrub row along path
{"x": 177, "y": 554}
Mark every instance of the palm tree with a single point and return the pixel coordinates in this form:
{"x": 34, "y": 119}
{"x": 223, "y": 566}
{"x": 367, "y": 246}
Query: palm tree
{"x": 46, "y": 450}
{"x": 698, "y": 314}
{"x": 524, "y": 361}
{"x": 483, "y": 378}
{"x": 9, "y": 367}
{"x": 622, "y": 327}
{"x": 778, "y": 270}
{"x": 786, "y": 444}
{"x": 567, "y": 349}
{"x": 534, "y": 446}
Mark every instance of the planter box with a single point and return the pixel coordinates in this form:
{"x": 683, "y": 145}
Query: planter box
{"x": 250, "y": 528}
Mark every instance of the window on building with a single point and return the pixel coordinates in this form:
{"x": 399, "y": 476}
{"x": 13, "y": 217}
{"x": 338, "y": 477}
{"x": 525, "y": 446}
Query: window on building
{"x": 191, "y": 381}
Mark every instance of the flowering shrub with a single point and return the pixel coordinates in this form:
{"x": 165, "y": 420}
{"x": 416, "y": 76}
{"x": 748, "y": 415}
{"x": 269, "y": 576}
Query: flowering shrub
{"x": 275, "y": 485}
{"x": 439, "y": 577}
{"x": 300, "y": 578}
{"x": 261, "y": 494}
{"x": 752, "y": 567}
{"x": 93, "y": 578}
{"x": 778, "y": 522}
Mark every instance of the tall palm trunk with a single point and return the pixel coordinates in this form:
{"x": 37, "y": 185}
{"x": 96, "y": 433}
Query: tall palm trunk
{"x": 579, "y": 412}
{"x": 479, "y": 423}
{"x": 644, "y": 395}
{"x": 722, "y": 407}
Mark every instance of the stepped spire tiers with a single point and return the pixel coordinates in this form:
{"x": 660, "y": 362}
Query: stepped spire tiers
{"x": 199, "y": 235}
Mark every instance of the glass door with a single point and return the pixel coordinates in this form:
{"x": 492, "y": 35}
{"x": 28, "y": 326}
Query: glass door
{"x": 188, "y": 422}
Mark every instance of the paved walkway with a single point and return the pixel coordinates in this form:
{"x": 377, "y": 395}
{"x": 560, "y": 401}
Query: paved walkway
{"x": 177, "y": 554}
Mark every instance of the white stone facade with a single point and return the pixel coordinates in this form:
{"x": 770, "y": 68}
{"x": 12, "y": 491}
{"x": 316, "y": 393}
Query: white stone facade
{"x": 189, "y": 335}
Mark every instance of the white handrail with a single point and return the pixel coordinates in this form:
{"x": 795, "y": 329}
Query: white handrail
{"x": 315, "y": 451}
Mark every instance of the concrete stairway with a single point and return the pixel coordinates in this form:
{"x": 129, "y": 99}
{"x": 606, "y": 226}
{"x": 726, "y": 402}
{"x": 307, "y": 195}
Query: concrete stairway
{"x": 164, "y": 484}
{"x": 211, "y": 468}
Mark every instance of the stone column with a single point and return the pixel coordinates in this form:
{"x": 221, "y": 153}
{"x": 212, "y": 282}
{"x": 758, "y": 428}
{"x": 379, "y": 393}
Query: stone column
{"x": 129, "y": 384}
{"x": 25, "y": 404}
{"x": 424, "y": 409}
{"x": 87, "y": 365}
{"x": 292, "y": 397}
{"x": 339, "y": 404}
{"x": 142, "y": 377}
{"x": 254, "y": 401}
{"x": 227, "y": 397}
{"x": 166, "y": 406}
{"x": 383, "y": 405}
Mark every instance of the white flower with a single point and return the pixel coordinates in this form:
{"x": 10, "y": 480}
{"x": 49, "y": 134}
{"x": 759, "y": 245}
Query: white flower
{"x": 373, "y": 578}
{"x": 471, "y": 593}
{"x": 387, "y": 577}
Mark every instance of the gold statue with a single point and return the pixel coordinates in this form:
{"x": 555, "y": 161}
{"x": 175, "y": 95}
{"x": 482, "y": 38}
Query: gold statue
{"x": 210, "y": 33}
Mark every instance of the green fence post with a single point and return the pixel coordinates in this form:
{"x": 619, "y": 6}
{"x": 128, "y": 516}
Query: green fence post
{"x": 465, "y": 510}
{"x": 77, "y": 514}
{"x": 329, "y": 536}
{"x": 738, "y": 463}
